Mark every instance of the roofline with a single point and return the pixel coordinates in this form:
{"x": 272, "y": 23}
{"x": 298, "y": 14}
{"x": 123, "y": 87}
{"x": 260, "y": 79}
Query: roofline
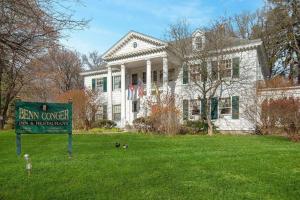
{"x": 126, "y": 35}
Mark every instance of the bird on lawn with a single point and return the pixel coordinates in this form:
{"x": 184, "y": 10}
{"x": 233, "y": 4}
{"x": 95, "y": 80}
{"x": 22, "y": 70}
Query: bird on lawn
{"x": 117, "y": 145}
{"x": 125, "y": 146}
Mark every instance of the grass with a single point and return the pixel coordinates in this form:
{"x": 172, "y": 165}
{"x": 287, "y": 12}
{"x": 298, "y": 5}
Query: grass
{"x": 153, "y": 167}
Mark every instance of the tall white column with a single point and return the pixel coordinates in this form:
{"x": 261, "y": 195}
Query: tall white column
{"x": 148, "y": 80}
{"x": 123, "y": 96}
{"x": 109, "y": 93}
{"x": 165, "y": 74}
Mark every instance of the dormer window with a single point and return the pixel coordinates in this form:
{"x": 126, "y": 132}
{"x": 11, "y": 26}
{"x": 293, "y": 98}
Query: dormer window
{"x": 198, "y": 40}
{"x": 198, "y": 43}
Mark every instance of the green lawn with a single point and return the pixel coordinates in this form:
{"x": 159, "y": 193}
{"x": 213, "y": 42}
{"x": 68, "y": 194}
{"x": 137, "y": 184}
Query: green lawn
{"x": 154, "y": 167}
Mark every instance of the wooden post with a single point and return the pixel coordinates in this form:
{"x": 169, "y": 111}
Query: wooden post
{"x": 18, "y": 135}
{"x": 70, "y": 134}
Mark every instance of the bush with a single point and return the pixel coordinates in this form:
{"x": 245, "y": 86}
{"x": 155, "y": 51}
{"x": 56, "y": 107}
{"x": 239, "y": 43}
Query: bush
{"x": 143, "y": 124}
{"x": 104, "y": 123}
{"x": 197, "y": 126}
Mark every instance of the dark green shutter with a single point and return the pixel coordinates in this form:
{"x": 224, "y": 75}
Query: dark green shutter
{"x": 104, "y": 84}
{"x": 93, "y": 84}
{"x": 203, "y": 108}
{"x": 214, "y": 70}
{"x": 214, "y": 108}
{"x": 236, "y": 67}
{"x": 185, "y": 74}
{"x": 185, "y": 109}
{"x": 235, "y": 107}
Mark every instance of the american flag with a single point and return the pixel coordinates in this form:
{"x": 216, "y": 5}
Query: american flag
{"x": 130, "y": 92}
{"x": 140, "y": 88}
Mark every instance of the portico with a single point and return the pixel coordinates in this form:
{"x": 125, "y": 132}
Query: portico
{"x": 139, "y": 58}
{"x": 154, "y": 70}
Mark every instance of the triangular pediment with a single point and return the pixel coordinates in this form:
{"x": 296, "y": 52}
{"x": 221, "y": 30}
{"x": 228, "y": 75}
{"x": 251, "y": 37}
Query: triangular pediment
{"x": 133, "y": 42}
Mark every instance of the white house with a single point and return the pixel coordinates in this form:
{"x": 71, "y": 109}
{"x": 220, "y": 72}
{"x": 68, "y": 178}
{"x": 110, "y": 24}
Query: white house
{"x": 137, "y": 58}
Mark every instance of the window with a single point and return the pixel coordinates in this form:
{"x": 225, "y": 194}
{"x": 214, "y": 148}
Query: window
{"x": 101, "y": 84}
{"x": 185, "y": 74}
{"x": 144, "y": 77}
{"x": 160, "y": 76}
{"x": 198, "y": 43}
{"x": 225, "y": 106}
{"x": 171, "y": 74}
{"x": 154, "y": 76}
{"x": 195, "y": 72}
{"x": 195, "y": 107}
{"x": 214, "y": 70}
{"x": 102, "y": 113}
{"x": 225, "y": 68}
{"x": 117, "y": 82}
{"x": 135, "y": 106}
{"x": 134, "y": 79}
{"x": 185, "y": 109}
{"x": 117, "y": 112}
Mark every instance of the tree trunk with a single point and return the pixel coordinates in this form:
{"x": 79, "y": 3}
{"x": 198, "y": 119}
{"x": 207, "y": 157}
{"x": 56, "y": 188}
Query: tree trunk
{"x": 210, "y": 127}
{"x": 1, "y": 72}
{"x": 210, "y": 130}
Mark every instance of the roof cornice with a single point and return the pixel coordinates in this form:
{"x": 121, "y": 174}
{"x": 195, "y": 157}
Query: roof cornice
{"x": 132, "y": 34}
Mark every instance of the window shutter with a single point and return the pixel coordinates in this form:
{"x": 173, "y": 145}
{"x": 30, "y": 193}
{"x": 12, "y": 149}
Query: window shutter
{"x": 214, "y": 108}
{"x": 203, "y": 108}
{"x": 185, "y": 74}
{"x": 105, "y": 84}
{"x": 185, "y": 109}
{"x": 236, "y": 67}
{"x": 214, "y": 70}
{"x": 93, "y": 84}
{"x": 235, "y": 107}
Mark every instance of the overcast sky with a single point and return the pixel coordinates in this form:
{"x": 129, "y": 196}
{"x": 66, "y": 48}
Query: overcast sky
{"x": 112, "y": 19}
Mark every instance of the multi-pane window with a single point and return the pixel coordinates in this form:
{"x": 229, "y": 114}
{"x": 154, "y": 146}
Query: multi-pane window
{"x": 154, "y": 76}
{"x": 185, "y": 109}
{"x": 117, "y": 112}
{"x": 195, "y": 72}
{"x": 195, "y": 107}
{"x": 198, "y": 43}
{"x": 225, "y": 67}
{"x": 102, "y": 113}
{"x": 225, "y": 106}
{"x": 117, "y": 82}
{"x": 100, "y": 84}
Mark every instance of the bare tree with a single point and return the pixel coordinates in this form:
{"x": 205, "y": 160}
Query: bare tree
{"x": 208, "y": 65}
{"x": 28, "y": 27}
{"x": 93, "y": 61}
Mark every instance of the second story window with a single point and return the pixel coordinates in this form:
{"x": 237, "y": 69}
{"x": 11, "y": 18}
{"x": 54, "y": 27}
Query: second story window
{"x": 225, "y": 67}
{"x": 117, "y": 82}
{"x": 198, "y": 43}
{"x": 100, "y": 84}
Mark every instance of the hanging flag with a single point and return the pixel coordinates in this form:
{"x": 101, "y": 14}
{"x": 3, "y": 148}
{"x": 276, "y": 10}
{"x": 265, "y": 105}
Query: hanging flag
{"x": 140, "y": 88}
{"x": 130, "y": 92}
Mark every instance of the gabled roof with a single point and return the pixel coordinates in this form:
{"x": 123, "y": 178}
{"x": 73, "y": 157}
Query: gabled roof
{"x": 132, "y": 34}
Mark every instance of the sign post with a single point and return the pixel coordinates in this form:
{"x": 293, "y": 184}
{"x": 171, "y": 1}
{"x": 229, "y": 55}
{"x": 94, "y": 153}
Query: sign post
{"x": 43, "y": 118}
